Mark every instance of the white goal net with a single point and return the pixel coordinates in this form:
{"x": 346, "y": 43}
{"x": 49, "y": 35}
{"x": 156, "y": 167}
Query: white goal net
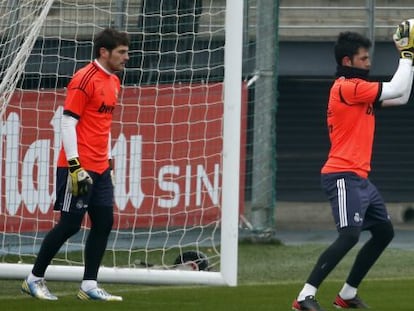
{"x": 176, "y": 136}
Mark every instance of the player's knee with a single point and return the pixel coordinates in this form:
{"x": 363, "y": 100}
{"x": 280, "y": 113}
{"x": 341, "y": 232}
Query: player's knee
{"x": 70, "y": 223}
{"x": 383, "y": 232}
{"x": 103, "y": 222}
{"x": 106, "y": 226}
{"x": 349, "y": 236}
{"x": 68, "y": 228}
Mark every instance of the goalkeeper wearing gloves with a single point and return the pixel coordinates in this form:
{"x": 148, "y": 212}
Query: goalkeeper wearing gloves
{"x": 83, "y": 182}
{"x": 355, "y": 201}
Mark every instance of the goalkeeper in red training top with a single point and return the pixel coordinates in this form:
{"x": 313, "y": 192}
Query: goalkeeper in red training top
{"x": 356, "y": 203}
{"x": 84, "y": 170}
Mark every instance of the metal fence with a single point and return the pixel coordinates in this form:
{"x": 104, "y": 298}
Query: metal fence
{"x": 322, "y": 19}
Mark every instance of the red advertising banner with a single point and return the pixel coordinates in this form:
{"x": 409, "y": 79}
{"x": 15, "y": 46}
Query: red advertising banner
{"x": 166, "y": 145}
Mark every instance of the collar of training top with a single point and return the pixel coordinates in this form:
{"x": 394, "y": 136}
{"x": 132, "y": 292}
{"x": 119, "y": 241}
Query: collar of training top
{"x": 351, "y": 72}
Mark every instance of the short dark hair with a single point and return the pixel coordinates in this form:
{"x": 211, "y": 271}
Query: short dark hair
{"x": 109, "y": 39}
{"x": 348, "y": 44}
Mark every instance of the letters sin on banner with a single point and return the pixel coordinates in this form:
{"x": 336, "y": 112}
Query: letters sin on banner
{"x": 167, "y": 149}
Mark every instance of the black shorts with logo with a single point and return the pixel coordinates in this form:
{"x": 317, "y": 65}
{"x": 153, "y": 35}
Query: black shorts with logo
{"x": 100, "y": 194}
{"x": 355, "y": 201}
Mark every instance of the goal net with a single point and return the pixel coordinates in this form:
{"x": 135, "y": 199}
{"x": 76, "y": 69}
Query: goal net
{"x": 176, "y": 137}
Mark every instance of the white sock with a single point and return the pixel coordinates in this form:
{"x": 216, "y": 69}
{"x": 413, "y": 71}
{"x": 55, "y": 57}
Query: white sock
{"x": 348, "y": 292}
{"x": 87, "y": 285}
{"x": 33, "y": 278}
{"x": 307, "y": 290}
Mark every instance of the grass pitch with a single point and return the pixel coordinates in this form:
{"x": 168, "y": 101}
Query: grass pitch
{"x": 270, "y": 276}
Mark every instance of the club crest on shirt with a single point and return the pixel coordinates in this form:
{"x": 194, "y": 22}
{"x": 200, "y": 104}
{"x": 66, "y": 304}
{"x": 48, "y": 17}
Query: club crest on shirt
{"x": 357, "y": 217}
{"x": 81, "y": 204}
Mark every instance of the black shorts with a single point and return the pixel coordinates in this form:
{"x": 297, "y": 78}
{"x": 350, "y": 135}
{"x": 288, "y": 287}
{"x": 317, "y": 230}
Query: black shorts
{"x": 100, "y": 194}
{"x": 355, "y": 201}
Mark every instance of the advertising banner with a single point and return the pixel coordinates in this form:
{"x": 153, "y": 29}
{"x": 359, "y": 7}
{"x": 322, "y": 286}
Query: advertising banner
{"x": 166, "y": 146}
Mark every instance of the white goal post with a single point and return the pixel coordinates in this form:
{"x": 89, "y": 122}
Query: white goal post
{"x": 177, "y": 138}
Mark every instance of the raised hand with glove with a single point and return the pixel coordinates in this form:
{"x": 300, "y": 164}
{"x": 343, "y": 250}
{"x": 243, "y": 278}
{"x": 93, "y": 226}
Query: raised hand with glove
{"x": 81, "y": 180}
{"x": 404, "y": 38}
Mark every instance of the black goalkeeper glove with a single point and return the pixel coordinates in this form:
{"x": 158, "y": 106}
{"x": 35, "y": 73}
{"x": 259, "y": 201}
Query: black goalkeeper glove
{"x": 81, "y": 181}
{"x": 404, "y": 38}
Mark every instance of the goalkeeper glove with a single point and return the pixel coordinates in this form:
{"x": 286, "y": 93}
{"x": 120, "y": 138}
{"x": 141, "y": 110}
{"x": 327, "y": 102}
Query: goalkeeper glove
{"x": 81, "y": 181}
{"x": 404, "y": 39}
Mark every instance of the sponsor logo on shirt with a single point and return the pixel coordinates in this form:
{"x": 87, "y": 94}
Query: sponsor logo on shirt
{"x": 106, "y": 108}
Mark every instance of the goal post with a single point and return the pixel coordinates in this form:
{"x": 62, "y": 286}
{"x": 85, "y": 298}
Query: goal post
{"x": 178, "y": 137}
{"x": 231, "y": 147}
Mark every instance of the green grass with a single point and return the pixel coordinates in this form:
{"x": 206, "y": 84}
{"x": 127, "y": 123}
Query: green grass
{"x": 270, "y": 276}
